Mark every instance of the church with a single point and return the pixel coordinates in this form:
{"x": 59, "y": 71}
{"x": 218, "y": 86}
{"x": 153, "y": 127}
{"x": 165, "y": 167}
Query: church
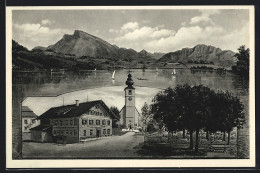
{"x": 129, "y": 116}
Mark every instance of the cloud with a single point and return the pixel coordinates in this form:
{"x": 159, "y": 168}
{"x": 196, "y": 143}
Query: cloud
{"x": 130, "y": 26}
{"x": 113, "y": 31}
{"x": 35, "y": 34}
{"x": 204, "y": 17}
{"x": 46, "y": 22}
{"x": 143, "y": 33}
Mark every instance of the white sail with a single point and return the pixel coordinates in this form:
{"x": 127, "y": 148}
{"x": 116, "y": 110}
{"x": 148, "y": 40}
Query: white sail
{"x": 173, "y": 71}
{"x": 113, "y": 75}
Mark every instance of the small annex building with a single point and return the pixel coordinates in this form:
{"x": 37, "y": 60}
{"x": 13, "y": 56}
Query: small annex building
{"x": 73, "y": 123}
{"x": 29, "y": 120}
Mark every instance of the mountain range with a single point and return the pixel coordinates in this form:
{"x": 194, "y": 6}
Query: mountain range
{"x": 81, "y": 45}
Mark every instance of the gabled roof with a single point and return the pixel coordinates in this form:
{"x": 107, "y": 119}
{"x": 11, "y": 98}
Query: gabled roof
{"x": 28, "y": 113}
{"x": 42, "y": 128}
{"x": 69, "y": 111}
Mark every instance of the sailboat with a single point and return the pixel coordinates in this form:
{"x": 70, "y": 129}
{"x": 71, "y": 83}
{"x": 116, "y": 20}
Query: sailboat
{"x": 173, "y": 72}
{"x": 156, "y": 69}
{"x": 113, "y": 75}
{"x": 95, "y": 69}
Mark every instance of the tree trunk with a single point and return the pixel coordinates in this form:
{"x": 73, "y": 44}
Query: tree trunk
{"x": 191, "y": 139}
{"x": 228, "y": 138}
{"x": 183, "y": 133}
{"x": 207, "y": 135}
{"x": 197, "y": 141}
{"x": 224, "y": 136}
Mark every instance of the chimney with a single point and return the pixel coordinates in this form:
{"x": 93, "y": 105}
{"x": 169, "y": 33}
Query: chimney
{"x": 77, "y": 103}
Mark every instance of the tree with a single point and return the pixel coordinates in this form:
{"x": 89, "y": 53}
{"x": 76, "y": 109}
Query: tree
{"x": 242, "y": 66}
{"x": 116, "y": 117}
{"x": 146, "y": 115}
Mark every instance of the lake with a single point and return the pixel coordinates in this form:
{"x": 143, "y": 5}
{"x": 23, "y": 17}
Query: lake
{"x": 40, "y": 90}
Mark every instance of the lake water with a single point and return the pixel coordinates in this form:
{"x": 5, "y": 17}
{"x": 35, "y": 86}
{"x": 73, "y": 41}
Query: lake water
{"x": 41, "y": 90}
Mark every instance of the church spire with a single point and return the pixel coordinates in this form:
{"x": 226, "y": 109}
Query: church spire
{"x": 129, "y": 82}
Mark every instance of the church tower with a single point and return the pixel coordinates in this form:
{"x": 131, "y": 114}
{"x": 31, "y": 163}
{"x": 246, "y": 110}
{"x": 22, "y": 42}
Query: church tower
{"x": 129, "y": 115}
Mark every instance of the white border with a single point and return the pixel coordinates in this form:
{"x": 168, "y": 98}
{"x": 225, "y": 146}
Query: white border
{"x": 79, "y": 163}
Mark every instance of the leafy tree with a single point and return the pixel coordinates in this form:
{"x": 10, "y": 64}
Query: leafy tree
{"x": 196, "y": 108}
{"x": 116, "y": 118}
{"x": 242, "y": 66}
{"x": 146, "y": 115}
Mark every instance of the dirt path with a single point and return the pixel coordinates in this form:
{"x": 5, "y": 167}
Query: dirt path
{"x": 109, "y": 147}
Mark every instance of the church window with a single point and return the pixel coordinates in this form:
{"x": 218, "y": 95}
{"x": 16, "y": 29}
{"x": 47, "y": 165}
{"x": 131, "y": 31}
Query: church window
{"x": 103, "y": 122}
{"x": 97, "y": 122}
{"x": 129, "y": 92}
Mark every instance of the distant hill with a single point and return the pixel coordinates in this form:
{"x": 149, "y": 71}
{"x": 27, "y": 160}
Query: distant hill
{"x": 16, "y": 47}
{"x": 84, "y": 44}
{"x": 200, "y": 53}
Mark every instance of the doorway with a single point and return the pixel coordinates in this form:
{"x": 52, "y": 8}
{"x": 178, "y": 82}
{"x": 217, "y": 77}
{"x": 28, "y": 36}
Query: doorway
{"x": 98, "y": 133}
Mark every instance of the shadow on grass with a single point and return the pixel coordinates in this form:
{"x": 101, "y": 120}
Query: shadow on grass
{"x": 166, "y": 150}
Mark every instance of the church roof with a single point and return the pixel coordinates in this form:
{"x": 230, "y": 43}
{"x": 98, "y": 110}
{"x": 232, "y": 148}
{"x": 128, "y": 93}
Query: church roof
{"x": 69, "y": 111}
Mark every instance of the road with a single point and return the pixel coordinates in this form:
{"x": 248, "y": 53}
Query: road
{"x": 108, "y": 147}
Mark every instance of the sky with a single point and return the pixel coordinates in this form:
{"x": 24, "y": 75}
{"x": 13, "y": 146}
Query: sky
{"x": 157, "y": 30}
{"x": 39, "y": 105}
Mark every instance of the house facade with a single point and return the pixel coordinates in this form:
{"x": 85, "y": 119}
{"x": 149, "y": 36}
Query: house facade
{"x": 29, "y": 120}
{"x": 73, "y": 123}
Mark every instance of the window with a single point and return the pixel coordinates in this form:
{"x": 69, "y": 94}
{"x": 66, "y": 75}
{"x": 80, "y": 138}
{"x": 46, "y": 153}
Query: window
{"x": 104, "y": 131}
{"x": 61, "y": 122}
{"x": 25, "y": 122}
{"x": 100, "y": 114}
{"x": 108, "y": 122}
{"x": 84, "y": 122}
{"x": 61, "y": 132}
{"x": 56, "y": 122}
{"x": 97, "y": 122}
{"x": 129, "y": 92}
{"x": 58, "y": 131}
{"x": 103, "y": 122}
{"x": 67, "y": 132}
{"x": 97, "y": 106}
{"x": 90, "y": 122}
{"x": 54, "y": 131}
{"x": 91, "y": 132}
{"x": 105, "y": 114}
{"x": 67, "y": 122}
{"x": 92, "y": 112}
{"x": 108, "y": 131}
{"x": 70, "y": 132}
{"x": 75, "y": 121}
{"x": 75, "y": 132}
{"x": 71, "y": 122}
{"x": 33, "y": 120}
{"x": 85, "y": 133}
